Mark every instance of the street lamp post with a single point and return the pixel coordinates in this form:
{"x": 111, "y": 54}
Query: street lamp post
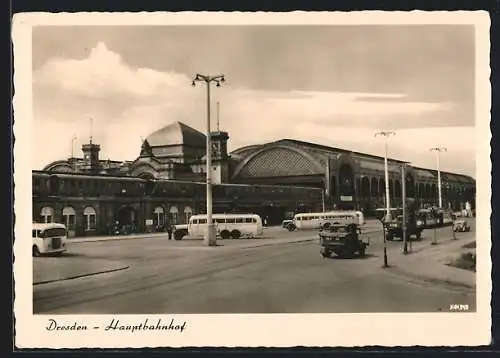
{"x": 211, "y": 235}
{"x": 403, "y": 201}
{"x": 438, "y": 151}
{"x": 386, "y": 135}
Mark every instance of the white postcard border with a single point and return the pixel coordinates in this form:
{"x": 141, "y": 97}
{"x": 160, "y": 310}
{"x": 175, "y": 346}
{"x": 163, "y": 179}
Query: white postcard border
{"x": 231, "y": 330}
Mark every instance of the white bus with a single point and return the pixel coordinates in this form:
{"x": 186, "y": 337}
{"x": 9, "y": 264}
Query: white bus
{"x": 50, "y": 238}
{"x": 304, "y": 221}
{"x": 233, "y": 226}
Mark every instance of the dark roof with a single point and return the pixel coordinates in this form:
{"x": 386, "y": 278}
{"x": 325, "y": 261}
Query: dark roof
{"x": 177, "y": 133}
{"x": 338, "y": 150}
{"x": 252, "y": 148}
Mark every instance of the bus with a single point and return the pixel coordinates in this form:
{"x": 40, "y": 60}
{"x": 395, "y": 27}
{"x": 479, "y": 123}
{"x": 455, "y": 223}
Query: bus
{"x": 50, "y": 238}
{"x": 308, "y": 221}
{"x": 233, "y": 226}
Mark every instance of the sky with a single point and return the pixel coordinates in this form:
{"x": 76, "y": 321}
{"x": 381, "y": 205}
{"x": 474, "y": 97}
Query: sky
{"x": 332, "y": 85}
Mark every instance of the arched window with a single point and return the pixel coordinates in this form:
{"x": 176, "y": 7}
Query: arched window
{"x": 427, "y": 191}
{"x": 410, "y": 186}
{"x": 187, "y": 213}
{"x": 69, "y": 216}
{"x": 421, "y": 190}
{"x": 159, "y": 216}
{"x": 89, "y": 215}
{"x": 397, "y": 189}
{"x": 381, "y": 187}
{"x": 47, "y": 214}
{"x": 365, "y": 187}
{"x": 346, "y": 181}
{"x": 173, "y": 214}
{"x": 374, "y": 187}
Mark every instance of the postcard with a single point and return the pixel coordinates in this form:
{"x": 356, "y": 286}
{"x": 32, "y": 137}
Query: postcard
{"x": 314, "y": 179}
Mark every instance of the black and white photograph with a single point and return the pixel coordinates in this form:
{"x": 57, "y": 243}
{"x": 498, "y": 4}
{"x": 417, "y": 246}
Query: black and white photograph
{"x": 198, "y": 179}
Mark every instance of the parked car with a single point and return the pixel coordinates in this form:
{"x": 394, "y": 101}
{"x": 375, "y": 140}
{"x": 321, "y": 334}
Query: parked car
{"x": 180, "y": 231}
{"x": 285, "y": 223}
{"x": 461, "y": 226}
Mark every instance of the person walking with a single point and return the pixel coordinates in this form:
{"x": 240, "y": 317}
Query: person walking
{"x": 169, "y": 230}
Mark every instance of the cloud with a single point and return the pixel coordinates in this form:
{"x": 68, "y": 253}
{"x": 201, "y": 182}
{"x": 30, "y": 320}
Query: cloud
{"x": 128, "y": 103}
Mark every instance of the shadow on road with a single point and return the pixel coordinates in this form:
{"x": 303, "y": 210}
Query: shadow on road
{"x": 356, "y": 257}
{"x": 72, "y": 254}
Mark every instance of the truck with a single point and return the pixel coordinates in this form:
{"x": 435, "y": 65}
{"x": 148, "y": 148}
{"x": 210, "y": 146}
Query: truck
{"x": 343, "y": 237}
{"x": 394, "y": 227}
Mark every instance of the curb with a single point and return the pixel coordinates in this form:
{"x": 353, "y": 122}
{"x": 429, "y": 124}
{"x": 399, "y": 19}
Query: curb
{"x": 119, "y": 238}
{"x": 81, "y": 275}
{"x": 397, "y": 271}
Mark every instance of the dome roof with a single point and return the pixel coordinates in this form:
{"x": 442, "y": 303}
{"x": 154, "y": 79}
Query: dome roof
{"x": 177, "y": 133}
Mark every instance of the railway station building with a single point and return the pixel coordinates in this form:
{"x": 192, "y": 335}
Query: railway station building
{"x": 165, "y": 183}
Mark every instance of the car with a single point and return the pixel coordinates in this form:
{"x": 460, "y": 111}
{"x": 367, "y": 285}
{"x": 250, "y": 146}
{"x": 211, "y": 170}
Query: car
{"x": 342, "y": 238}
{"x": 285, "y": 223}
{"x": 49, "y": 238}
{"x": 180, "y": 230}
{"x": 461, "y": 226}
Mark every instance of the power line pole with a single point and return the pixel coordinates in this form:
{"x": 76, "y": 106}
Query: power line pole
{"x": 211, "y": 234}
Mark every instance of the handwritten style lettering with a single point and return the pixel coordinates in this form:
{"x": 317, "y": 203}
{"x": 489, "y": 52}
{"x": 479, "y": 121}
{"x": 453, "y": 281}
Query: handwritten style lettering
{"x": 55, "y": 326}
{"x": 159, "y": 325}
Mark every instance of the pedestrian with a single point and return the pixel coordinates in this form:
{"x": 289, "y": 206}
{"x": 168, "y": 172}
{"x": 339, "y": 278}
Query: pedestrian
{"x": 169, "y": 231}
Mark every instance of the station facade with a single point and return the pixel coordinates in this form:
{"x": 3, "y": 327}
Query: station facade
{"x": 165, "y": 183}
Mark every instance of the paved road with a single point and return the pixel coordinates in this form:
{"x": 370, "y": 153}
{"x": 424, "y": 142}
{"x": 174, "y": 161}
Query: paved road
{"x": 184, "y": 277}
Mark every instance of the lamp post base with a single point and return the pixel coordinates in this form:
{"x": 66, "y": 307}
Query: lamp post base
{"x": 210, "y": 238}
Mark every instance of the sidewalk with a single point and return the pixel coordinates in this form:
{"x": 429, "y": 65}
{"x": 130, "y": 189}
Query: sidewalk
{"x": 117, "y": 237}
{"x": 429, "y": 263}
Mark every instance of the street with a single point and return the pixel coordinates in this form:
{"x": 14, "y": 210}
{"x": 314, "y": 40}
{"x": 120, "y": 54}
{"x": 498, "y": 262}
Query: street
{"x": 162, "y": 276}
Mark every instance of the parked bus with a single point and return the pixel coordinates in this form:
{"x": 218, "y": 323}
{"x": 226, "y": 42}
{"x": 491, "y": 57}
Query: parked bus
{"x": 312, "y": 221}
{"x": 233, "y": 226}
{"x": 49, "y": 238}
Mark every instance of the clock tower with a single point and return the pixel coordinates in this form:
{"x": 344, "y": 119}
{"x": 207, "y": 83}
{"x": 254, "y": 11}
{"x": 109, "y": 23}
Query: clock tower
{"x": 91, "y": 156}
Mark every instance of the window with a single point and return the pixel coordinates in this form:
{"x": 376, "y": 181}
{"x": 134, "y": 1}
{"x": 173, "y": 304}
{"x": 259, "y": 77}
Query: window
{"x": 54, "y": 232}
{"x": 173, "y": 214}
{"x": 239, "y": 220}
{"x": 220, "y": 221}
{"x": 89, "y": 215}
{"x": 254, "y": 220}
{"x": 47, "y": 214}
{"x": 187, "y": 213}
{"x": 159, "y": 216}
{"x": 203, "y": 221}
{"x": 33, "y": 233}
{"x": 249, "y": 220}
{"x": 69, "y": 217}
